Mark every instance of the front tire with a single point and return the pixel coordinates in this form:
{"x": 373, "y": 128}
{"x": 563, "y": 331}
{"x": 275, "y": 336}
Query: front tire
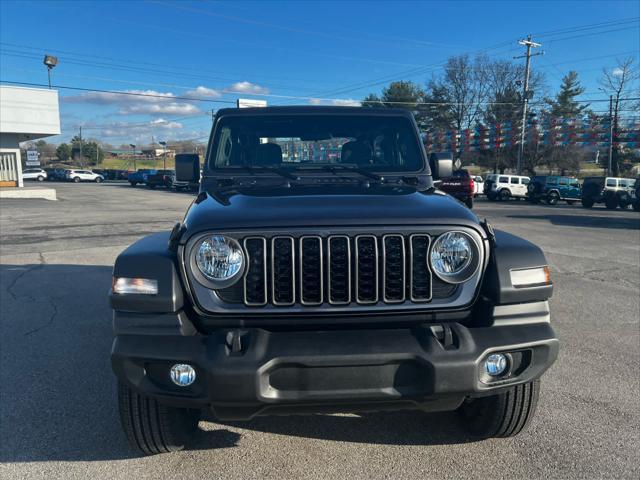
{"x": 502, "y": 415}
{"x": 611, "y": 202}
{"x": 40, "y": 178}
{"x": 76, "y": 179}
{"x": 553, "y": 198}
{"x": 154, "y": 428}
{"x": 505, "y": 195}
{"x": 98, "y": 179}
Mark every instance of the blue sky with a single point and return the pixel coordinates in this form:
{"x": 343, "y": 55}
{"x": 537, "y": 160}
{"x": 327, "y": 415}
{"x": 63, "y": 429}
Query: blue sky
{"x": 282, "y": 52}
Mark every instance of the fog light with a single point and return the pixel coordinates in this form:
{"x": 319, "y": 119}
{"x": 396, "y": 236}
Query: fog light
{"x": 182, "y": 374}
{"x": 495, "y": 364}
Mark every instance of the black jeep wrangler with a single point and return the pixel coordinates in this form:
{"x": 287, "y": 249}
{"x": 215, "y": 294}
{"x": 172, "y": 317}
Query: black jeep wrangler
{"x": 318, "y": 270}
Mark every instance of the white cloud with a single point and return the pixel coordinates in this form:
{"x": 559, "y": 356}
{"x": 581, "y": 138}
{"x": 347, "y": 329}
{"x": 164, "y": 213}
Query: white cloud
{"x": 617, "y": 72}
{"x": 202, "y": 91}
{"x": 139, "y": 130}
{"x": 126, "y": 97}
{"x": 338, "y": 102}
{"x": 166, "y": 124}
{"x": 137, "y": 102}
{"x": 162, "y": 108}
{"x": 247, "y": 87}
{"x": 346, "y": 102}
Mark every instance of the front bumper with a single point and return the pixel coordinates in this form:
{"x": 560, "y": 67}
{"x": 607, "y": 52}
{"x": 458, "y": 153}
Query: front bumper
{"x": 243, "y": 373}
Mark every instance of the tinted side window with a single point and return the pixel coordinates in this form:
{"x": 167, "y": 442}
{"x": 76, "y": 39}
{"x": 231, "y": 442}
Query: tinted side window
{"x": 514, "y": 181}
{"x": 552, "y": 180}
{"x": 611, "y": 182}
{"x": 563, "y": 181}
{"x": 503, "y": 180}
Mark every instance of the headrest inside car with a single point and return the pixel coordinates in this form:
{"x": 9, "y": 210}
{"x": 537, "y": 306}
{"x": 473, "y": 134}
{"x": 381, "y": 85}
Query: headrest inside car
{"x": 356, "y": 152}
{"x": 268, "y": 154}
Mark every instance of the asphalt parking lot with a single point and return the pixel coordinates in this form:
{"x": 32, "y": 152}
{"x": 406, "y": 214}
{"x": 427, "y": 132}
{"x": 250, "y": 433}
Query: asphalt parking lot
{"x": 58, "y": 416}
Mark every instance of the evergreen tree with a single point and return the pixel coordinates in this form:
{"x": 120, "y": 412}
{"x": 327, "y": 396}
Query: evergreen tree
{"x": 63, "y": 152}
{"x": 565, "y": 104}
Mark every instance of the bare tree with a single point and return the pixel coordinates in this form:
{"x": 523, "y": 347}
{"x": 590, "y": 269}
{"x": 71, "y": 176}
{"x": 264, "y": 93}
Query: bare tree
{"x": 617, "y": 82}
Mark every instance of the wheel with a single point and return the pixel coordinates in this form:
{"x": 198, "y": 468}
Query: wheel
{"x": 570, "y": 202}
{"x": 154, "y": 428}
{"x": 505, "y": 194}
{"x": 624, "y": 200}
{"x": 133, "y": 184}
{"x": 40, "y": 178}
{"x": 611, "y": 202}
{"x": 503, "y": 415}
{"x": 76, "y": 179}
{"x": 553, "y": 198}
{"x": 98, "y": 179}
{"x": 469, "y": 203}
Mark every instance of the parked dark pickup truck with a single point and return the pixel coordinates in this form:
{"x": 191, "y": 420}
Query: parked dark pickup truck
{"x": 162, "y": 178}
{"x": 140, "y": 176}
{"x": 341, "y": 281}
{"x": 460, "y": 186}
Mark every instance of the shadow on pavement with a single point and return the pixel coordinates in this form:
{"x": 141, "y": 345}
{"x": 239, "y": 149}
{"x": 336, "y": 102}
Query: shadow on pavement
{"x": 59, "y": 393}
{"x": 407, "y": 427}
{"x": 624, "y": 223}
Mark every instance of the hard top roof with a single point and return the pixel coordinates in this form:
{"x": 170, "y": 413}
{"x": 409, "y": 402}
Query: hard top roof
{"x": 315, "y": 109}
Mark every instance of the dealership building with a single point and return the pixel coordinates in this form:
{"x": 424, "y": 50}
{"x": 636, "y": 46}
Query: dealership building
{"x": 25, "y": 114}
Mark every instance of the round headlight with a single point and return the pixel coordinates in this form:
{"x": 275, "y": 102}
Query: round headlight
{"x": 454, "y": 257}
{"x": 220, "y": 260}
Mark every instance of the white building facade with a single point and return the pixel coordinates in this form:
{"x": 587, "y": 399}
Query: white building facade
{"x": 25, "y": 114}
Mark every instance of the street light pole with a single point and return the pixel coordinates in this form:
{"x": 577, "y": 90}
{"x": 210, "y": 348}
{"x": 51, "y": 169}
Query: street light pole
{"x": 164, "y": 154}
{"x": 133, "y": 154}
{"x": 50, "y": 61}
{"x": 609, "y": 172}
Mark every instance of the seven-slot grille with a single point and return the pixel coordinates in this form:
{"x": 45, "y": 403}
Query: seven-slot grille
{"x": 338, "y": 270}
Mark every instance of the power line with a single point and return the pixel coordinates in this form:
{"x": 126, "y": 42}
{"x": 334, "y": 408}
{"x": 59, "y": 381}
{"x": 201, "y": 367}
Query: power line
{"x": 190, "y": 98}
{"x": 115, "y": 92}
{"x": 561, "y": 31}
{"x": 289, "y": 28}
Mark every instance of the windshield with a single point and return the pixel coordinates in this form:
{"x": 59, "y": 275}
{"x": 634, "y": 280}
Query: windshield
{"x": 374, "y": 143}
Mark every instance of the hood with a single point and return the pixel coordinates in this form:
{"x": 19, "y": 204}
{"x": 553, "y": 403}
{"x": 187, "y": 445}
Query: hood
{"x": 325, "y": 207}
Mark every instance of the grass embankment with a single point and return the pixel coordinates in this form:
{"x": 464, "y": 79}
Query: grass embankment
{"x": 117, "y": 163}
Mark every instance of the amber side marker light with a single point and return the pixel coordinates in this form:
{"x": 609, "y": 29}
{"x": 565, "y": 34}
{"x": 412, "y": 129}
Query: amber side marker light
{"x": 140, "y": 286}
{"x": 531, "y": 277}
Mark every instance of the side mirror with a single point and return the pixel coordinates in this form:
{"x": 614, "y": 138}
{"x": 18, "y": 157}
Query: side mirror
{"x": 441, "y": 165}
{"x": 188, "y": 167}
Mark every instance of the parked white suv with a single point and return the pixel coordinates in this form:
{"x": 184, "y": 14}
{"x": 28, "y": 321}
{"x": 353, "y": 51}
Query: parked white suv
{"x": 34, "y": 174}
{"x": 478, "y": 185}
{"x": 505, "y": 187}
{"x": 83, "y": 176}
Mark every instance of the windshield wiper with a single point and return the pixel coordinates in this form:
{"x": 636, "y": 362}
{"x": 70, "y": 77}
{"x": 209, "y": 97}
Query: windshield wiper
{"x": 277, "y": 170}
{"x": 353, "y": 168}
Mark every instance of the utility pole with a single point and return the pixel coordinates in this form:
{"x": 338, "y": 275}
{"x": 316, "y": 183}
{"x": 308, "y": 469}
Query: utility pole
{"x": 525, "y": 94}
{"x": 81, "y": 156}
{"x": 609, "y": 172}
